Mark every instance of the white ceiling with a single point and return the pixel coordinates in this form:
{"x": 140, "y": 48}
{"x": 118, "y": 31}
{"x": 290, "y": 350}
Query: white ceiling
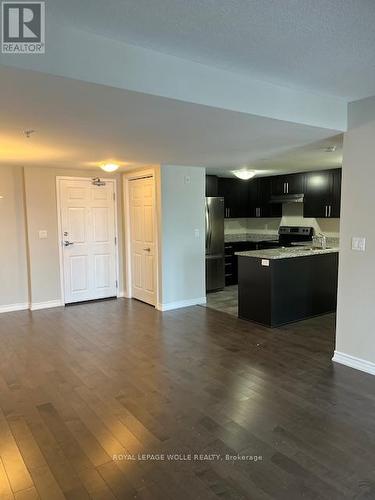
{"x": 325, "y": 46}
{"x": 80, "y": 124}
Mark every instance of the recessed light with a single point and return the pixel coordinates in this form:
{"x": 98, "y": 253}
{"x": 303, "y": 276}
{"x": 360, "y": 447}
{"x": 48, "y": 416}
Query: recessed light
{"x": 1, "y": 197}
{"x": 330, "y": 149}
{"x": 109, "y": 167}
{"x": 245, "y": 175}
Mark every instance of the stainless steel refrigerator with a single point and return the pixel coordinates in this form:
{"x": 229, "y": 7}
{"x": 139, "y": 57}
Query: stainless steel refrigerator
{"x": 215, "y": 268}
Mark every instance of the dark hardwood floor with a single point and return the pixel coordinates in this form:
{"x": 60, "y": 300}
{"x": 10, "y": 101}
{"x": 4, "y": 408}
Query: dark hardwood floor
{"x": 84, "y": 386}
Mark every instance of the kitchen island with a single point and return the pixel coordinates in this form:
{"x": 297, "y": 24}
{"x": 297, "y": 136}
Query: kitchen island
{"x": 282, "y": 285}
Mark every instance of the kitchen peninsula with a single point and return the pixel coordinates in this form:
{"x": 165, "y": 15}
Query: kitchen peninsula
{"x": 282, "y": 285}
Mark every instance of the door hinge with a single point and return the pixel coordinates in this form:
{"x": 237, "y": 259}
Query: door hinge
{"x": 115, "y": 240}
{"x": 116, "y": 284}
{"x": 114, "y": 196}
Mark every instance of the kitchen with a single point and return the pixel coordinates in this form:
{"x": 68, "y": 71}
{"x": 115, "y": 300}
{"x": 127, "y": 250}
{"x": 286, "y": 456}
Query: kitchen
{"x": 275, "y": 260}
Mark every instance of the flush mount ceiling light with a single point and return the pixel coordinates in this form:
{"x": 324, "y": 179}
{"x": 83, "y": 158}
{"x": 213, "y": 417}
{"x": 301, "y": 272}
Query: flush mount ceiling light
{"x": 330, "y": 149}
{"x": 245, "y": 175}
{"x": 109, "y": 167}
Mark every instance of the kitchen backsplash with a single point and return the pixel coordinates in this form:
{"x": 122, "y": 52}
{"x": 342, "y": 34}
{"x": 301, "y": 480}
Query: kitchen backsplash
{"x": 292, "y": 216}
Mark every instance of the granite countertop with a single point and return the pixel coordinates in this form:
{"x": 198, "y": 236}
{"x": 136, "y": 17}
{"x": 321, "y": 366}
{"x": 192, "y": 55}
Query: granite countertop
{"x": 286, "y": 252}
{"x": 255, "y": 237}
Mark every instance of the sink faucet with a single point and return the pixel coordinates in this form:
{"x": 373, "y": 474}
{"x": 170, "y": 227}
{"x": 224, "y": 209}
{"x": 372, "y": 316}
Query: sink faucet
{"x": 320, "y": 240}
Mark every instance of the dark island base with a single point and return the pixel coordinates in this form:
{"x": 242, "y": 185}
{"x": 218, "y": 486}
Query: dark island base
{"x": 288, "y": 290}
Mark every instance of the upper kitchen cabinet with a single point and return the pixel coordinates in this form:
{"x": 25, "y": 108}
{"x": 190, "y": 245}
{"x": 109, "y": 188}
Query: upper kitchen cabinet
{"x": 287, "y": 184}
{"x": 211, "y": 185}
{"x": 236, "y": 200}
{"x": 261, "y": 203}
{"x": 322, "y": 194}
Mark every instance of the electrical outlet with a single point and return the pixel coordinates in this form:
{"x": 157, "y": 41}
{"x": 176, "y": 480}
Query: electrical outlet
{"x": 359, "y": 244}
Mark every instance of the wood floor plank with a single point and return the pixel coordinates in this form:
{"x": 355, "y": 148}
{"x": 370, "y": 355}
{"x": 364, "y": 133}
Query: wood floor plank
{"x": 44, "y": 481}
{"x": 5, "y": 489}
{"x": 86, "y": 391}
{"x": 14, "y": 465}
{"x": 30, "y": 494}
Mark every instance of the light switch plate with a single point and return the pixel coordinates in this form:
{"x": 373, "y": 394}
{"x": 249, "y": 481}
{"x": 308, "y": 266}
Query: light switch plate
{"x": 43, "y": 235}
{"x": 187, "y": 179}
{"x": 196, "y": 234}
{"x": 265, "y": 262}
{"x": 359, "y": 244}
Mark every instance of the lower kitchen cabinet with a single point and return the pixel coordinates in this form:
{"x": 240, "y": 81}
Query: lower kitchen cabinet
{"x": 231, "y": 260}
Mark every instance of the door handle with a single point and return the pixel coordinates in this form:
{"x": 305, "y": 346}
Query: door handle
{"x": 147, "y": 249}
{"x": 68, "y": 243}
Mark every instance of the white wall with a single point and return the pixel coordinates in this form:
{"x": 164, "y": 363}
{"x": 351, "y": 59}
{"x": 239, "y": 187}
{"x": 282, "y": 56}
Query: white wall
{"x": 182, "y": 197}
{"x": 13, "y": 255}
{"x": 41, "y": 206}
{"x": 292, "y": 216}
{"x": 356, "y": 298}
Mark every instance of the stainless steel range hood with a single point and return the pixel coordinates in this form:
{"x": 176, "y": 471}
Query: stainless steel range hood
{"x": 287, "y": 198}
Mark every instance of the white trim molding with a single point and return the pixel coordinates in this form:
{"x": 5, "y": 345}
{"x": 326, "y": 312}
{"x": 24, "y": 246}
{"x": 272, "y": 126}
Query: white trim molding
{"x": 36, "y": 306}
{"x": 14, "y": 307}
{"x": 353, "y": 362}
{"x": 180, "y": 304}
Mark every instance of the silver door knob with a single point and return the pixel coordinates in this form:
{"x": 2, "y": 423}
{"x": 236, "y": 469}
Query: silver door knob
{"x": 68, "y": 243}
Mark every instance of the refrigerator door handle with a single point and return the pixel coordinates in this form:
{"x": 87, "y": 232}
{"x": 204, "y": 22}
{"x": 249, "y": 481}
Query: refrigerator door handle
{"x": 207, "y": 226}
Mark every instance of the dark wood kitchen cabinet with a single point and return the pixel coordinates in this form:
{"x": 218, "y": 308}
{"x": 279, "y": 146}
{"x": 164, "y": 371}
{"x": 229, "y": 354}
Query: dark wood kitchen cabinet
{"x": 231, "y": 260}
{"x": 236, "y": 199}
{"x": 287, "y": 184}
{"x": 211, "y": 185}
{"x": 261, "y": 201}
{"x": 251, "y": 199}
{"x": 322, "y": 194}
{"x": 248, "y": 198}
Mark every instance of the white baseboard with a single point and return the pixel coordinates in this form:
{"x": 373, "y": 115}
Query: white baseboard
{"x": 353, "y": 362}
{"x": 180, "y": 304}
{"x": 36, "y": 306}
{"x": 14, "y": 307}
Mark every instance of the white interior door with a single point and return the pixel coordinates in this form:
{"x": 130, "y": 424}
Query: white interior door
{"x": 88, "y": 232}
{"x": 142, "y": 236}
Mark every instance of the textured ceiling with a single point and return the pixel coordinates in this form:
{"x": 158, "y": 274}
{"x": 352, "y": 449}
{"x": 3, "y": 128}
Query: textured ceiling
{"x": 326, "y": 46}
{"x": 79, "y": 124}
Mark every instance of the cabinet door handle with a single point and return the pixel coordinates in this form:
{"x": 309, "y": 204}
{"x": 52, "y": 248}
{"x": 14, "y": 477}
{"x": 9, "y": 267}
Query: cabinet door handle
{"x": 330, "y": 211}
{"x": 326, "y": 211}
{"x": 284, "y": 188}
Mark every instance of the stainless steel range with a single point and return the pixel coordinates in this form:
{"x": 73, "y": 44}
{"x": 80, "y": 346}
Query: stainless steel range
{"x": 290, "y": 236}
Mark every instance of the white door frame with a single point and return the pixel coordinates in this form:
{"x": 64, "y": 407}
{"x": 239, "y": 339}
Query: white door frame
{"x": 59, "y": 225}
{"x": 140, "y": 174}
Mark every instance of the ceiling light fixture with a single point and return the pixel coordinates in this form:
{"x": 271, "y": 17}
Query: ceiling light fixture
{"x": 109, "y": 167}
{"x": 245, "y": 175}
